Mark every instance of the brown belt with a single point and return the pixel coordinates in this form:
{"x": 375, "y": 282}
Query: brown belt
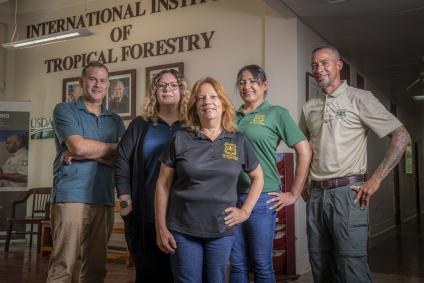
{"x": 338, "y": 182}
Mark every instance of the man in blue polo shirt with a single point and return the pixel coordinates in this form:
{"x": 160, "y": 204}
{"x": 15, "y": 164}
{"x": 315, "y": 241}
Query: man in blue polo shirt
{"x": 86, "y": 136}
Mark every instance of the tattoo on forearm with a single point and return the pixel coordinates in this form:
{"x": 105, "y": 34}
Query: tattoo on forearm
{"x": 399, "y": 140}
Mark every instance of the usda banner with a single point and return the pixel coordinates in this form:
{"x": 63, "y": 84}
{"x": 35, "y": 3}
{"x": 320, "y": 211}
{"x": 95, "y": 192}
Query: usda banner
{"x": 14, "y": 125}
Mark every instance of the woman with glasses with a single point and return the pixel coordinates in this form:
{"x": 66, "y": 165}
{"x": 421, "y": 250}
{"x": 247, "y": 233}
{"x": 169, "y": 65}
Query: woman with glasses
{"x": 265, "y": 126}
{"x": 137, "y": 169}
{"x": 196, "y": 190}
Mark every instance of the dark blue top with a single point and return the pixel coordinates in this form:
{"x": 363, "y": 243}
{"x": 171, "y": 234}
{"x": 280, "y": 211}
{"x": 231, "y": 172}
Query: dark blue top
{"x": 83, "y": 181}
{"x": 157, "y": 137}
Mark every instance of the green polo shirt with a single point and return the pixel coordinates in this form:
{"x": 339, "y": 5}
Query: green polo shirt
{"x": 265, "y": 127}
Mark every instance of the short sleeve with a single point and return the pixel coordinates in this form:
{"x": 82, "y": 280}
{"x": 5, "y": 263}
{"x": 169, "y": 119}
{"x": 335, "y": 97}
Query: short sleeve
{"x": 168, "y": 154}
{"x": 375, "y": 116}
{"x": 288, "y": 129}
{"x": 302, "y": 124}
{"x": 251, "y": 162}
{"x": 22, "y": 166}
{"x": 121, "y": 127}
{"x": 65, "y": 122}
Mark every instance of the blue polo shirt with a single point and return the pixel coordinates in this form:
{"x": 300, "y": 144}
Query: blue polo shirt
{"x": 83, "y": 181}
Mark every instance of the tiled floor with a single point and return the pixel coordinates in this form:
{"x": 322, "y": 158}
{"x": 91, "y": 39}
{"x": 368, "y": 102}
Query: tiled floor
{"x": 396, "y": 256}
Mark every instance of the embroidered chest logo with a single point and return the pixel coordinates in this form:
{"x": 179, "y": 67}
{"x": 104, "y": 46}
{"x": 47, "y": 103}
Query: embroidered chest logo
{"x": 340, "y": 114}
{"x": 258, "y": 120}
{"x": 230, "y": 151}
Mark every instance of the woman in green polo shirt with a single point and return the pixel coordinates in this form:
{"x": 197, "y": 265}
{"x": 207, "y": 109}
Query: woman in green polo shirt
{"x": 265, "y": 126}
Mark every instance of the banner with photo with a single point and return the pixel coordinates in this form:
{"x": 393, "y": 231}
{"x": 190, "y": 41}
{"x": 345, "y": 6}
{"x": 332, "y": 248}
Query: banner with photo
{"x": 14, "y": 132}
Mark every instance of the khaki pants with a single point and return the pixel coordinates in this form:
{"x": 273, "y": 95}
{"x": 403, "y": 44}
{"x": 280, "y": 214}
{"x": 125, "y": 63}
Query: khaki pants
{"x": 79, "y": 231}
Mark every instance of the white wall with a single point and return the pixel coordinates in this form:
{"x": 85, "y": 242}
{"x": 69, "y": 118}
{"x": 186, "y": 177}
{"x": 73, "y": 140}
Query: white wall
{"x": 31, "y": 82}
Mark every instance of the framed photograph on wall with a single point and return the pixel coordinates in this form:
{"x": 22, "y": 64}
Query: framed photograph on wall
{"x": 122, "y": 93}
{"x": 121, "y": 97}
{"x": 71, "y": 89}
{"x": 152, "y": 71}
{"x": 312, "y": 87}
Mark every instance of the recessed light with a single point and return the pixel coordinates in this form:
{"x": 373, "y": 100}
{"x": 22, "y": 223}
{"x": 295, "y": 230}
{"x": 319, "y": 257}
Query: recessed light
{"x": 418, "y": 98}
{"x": 335, "y": 1}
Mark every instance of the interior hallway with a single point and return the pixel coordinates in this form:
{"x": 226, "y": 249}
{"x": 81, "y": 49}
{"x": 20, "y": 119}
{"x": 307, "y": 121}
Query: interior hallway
{"x": 395, "y": 256}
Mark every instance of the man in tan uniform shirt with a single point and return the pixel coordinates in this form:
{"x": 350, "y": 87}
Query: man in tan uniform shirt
{"x": 337, "y": 123}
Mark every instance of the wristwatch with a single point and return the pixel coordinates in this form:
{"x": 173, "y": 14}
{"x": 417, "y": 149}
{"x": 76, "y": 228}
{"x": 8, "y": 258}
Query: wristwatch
{"x": 123, "y": 204}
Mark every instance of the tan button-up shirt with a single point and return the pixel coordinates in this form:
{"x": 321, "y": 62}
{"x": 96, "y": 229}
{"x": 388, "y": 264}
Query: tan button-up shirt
{"x": 337, "y": 125}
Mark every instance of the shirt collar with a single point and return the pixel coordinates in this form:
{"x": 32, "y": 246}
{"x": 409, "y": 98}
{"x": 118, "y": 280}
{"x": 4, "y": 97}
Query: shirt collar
{"x": 81, "y": 105}
{"x": 261, "y": 107}
{"x": 341, "y": 89}
{"x": 176, "y": 123}
{"x": 224, "y": 134}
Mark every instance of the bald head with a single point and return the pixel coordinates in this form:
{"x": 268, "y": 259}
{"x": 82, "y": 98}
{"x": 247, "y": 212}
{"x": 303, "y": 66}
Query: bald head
{"x": 14, "y": 143}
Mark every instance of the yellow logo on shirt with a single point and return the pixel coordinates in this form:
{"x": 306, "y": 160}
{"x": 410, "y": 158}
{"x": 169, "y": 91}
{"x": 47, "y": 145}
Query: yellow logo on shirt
{"x": 230, "y": 151}
{"x": 258, "y": 120}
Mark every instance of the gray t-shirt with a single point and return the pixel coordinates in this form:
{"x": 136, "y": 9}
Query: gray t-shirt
{"x": 205, "y": 181}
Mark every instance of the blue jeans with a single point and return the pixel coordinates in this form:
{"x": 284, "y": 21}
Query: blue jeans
{"x": 253, "y": 243}
{"x": 200, "y": 259}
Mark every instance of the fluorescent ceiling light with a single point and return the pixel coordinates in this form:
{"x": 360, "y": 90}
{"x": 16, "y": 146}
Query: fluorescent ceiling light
{"x": 47, "y": 39}
{"x": 418, "y": 98}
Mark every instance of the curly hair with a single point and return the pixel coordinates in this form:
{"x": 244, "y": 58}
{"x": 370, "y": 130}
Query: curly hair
{"x": 228, "y": 112}
{"x": 151, "y": 105}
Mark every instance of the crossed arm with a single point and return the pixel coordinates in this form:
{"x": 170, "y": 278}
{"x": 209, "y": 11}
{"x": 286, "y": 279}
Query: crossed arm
{"x": 80, "y": 148}
{"x": 399, "y": 139}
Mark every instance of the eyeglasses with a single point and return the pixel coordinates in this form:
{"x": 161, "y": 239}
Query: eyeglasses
{"x": 251, "y": 81}
{"x": 164, "y": 86}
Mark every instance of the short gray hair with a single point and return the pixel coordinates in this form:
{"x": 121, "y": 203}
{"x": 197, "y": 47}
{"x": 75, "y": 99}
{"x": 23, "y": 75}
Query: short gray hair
{"x": 332, "y": 48}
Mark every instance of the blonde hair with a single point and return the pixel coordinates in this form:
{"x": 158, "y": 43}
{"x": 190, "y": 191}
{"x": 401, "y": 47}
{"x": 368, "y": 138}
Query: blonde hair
{"x": 151, "y": 105}
{"x": 228, "y": 112}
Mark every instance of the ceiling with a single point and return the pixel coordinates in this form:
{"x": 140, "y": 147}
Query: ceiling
{"x": 384, "y": 39}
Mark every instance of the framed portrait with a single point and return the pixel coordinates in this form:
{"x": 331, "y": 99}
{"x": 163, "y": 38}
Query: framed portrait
{"x": 71, "y": 89}
{"x": 121, "y": 97}
{"x": 152, "y": 71}
{"x": 312, "y": 87}
{"x": 122, "y": 93}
